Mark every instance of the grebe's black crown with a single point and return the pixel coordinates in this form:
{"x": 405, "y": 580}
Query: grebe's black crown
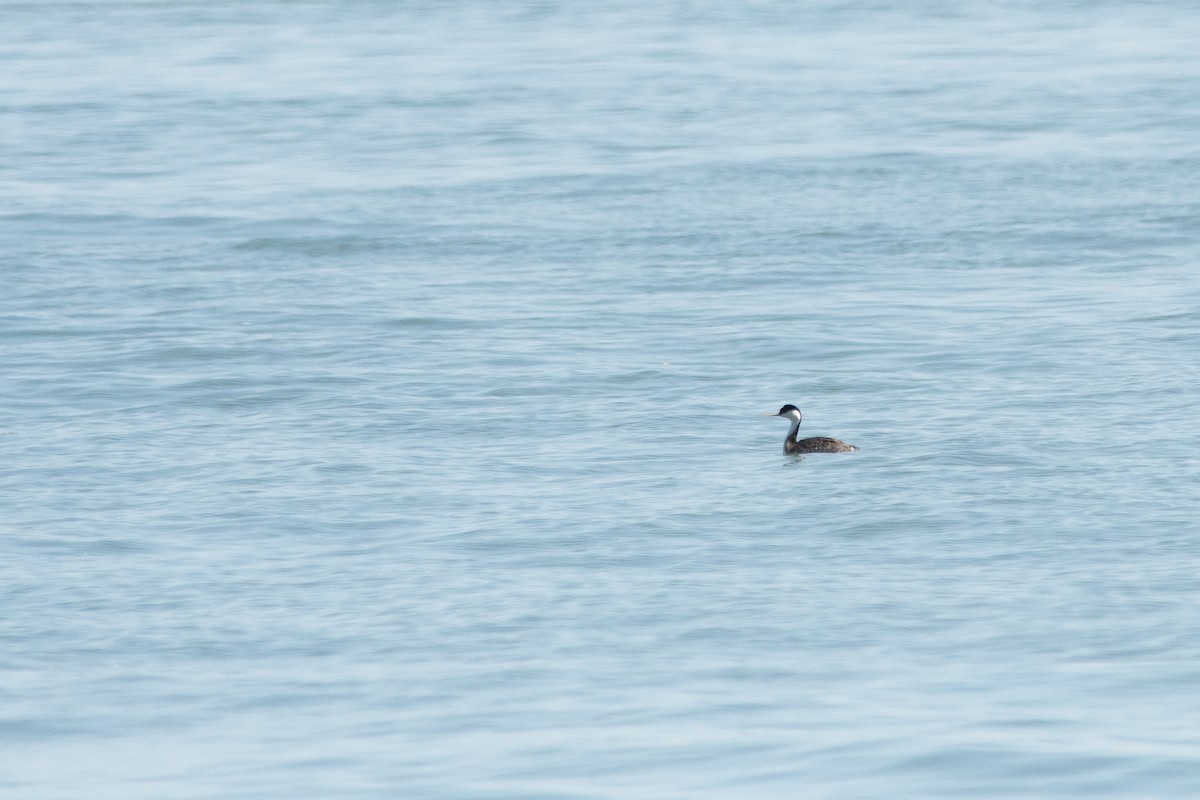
{"x": 786, "y": 409}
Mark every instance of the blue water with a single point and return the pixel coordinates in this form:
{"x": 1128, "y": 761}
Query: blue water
{"x": 383, "y": 390}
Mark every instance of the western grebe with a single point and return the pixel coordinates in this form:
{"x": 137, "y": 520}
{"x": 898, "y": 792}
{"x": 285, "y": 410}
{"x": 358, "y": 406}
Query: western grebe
{"x": 815, "y": 444}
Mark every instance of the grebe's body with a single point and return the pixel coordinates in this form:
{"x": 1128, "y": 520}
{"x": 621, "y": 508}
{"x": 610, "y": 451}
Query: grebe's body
{"x": 815, "y": 444}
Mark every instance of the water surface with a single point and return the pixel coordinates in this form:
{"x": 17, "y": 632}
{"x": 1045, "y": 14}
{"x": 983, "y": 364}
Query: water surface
{"x": 384, "y": 394}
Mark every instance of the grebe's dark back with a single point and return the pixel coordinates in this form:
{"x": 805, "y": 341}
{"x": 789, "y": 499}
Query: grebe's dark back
{"x": 814, "y": 444}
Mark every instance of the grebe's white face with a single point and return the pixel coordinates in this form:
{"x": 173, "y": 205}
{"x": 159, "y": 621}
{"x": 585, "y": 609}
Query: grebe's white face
{"x": 792, "y": 415}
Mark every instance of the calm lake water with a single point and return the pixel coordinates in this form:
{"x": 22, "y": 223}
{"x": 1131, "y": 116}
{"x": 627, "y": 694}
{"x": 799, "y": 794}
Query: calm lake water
{"x": 383, "y": 395}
